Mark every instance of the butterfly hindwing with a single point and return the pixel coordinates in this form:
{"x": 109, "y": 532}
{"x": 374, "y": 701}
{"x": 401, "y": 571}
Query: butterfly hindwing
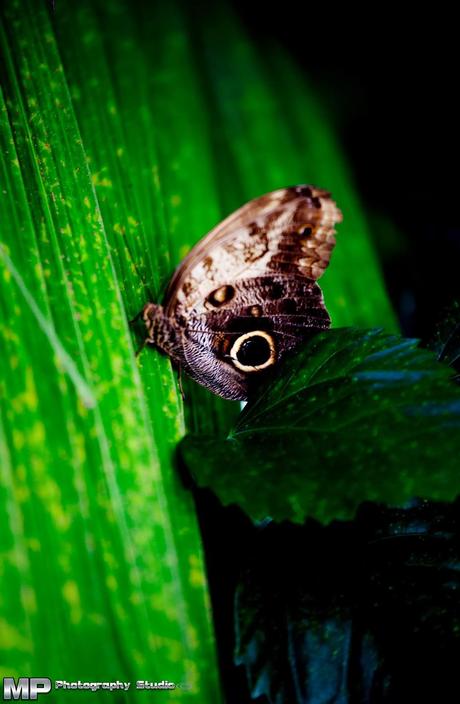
{"x": 285, "y": 308}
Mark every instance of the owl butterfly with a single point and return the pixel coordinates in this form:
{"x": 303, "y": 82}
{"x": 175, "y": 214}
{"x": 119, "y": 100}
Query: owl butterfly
{"x": 246, "y": 294}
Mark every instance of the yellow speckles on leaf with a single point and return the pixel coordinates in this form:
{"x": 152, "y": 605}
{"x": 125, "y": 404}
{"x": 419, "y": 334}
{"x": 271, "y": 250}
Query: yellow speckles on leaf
{"x": 118, "y": 364}
{"x": 111, "y": 583}
{"x": 192, "y": 676}
{"x": 135, "y": 598}
{"x": 196, "y": 572}
{"x": 27, "y": 399}
{"x": 137, "y": 657}
{"x": 15, "y": 639}
{"x": 175, "y": 200}
{"x": 167, "y": 610}
{"x": 61, "y": 517}
{"x": 86, "y": 202}
{"x": 29, "y": 599}
{"x": 36, "y": 435}
{"x": 71, "y": 595}
{"x": 82, "y": 410}
{"x": 192, "y": 636}
{"x": 112, "y": 109}
{"x": 96, "y": 618}
{"x": 133, "y": 222}
{"x": 88, "y": 336}
{"x": 119, "y": 229}
{"x": 19, "y": 439}
{"x": 156, "y": 177}
{"x": 43, "y": 233}
{"x": 171, "y": 647}
{"x": 38, "y": 268}
{"x": 119, "y": 152}
{"x": 6, "y": 275}
{"x": 101, "y": 181}
{"x": 21, "y": 473}
{"x": 33, "y": 544}
{"x": 184, "y": 250}
{"x": 22, "y": 494}
{"x": 80, "y": 455}
{"x": 66, "y": 230}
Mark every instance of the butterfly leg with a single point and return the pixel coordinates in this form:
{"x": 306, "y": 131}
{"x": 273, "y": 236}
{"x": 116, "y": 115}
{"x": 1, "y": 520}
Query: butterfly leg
{"x": 148, "y": 314}
{"x": 141, "y": 347}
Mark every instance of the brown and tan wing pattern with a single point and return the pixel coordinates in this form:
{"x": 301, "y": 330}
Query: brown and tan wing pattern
{"x": 285, "y": 309}
{"x": 247, "y": 292}
{"x": 289, "y": 232}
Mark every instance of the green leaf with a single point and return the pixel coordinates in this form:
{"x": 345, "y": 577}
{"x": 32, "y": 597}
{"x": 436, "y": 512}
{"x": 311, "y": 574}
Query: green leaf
{"x": 126, "y": 133}
{"x": 101, "y": 558}
{"x": 353, "y": 416}
{"x": 446, "y": 340}
{"x": 363, "y": 611}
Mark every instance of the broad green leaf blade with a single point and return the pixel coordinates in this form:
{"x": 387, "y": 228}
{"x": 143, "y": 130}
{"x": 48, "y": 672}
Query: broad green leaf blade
{"x": 101, "y": 555}
{"x": 353, "y": 416}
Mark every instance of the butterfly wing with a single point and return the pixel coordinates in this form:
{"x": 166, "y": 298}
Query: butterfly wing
{"x": 249, "y": 288}
{"x": 289, "y": 231}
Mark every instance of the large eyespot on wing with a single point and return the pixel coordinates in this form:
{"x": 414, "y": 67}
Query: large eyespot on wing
{"x": 249, "y": 329}
{"x": 289, "y": 232}
{"x": 253, "y": 351}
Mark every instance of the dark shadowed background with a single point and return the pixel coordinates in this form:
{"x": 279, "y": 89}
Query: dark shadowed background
{"x": 388, "y": 79}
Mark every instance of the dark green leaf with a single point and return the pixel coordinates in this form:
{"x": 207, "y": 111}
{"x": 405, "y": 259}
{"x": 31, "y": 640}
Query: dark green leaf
{"x": 353, "y": 416}
{"x": 364, "y": 611}
{"x": 446, "y": 340}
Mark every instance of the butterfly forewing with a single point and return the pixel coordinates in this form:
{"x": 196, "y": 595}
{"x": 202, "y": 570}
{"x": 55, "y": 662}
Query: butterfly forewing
{"x": 289, "y": 231}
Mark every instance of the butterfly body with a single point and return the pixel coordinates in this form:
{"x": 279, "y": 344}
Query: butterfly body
{"x": 246, "y": 293}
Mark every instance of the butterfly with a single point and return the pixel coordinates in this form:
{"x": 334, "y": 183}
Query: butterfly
{"x": 246, "y": 293}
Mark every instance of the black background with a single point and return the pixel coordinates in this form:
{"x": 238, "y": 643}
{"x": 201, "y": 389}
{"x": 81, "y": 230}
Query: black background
{"x": 390, "y": 82}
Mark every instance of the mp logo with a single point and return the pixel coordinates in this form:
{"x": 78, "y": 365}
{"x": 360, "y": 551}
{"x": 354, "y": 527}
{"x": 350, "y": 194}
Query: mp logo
{"x": 25, "y": 687}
